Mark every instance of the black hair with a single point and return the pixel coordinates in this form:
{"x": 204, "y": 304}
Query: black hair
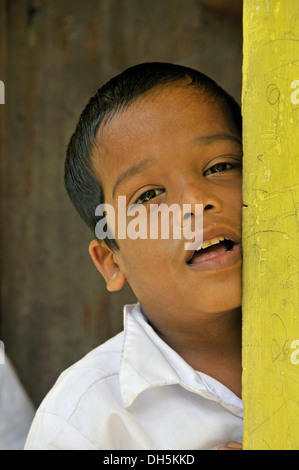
{"x": 81, "y": 182}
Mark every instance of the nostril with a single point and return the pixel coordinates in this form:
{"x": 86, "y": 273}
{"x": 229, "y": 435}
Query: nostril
{"x": 209, "y": 206}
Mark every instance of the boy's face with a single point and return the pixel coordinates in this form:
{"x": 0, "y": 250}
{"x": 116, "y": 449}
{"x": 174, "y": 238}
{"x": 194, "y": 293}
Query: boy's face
{"x": 176, "y": 145}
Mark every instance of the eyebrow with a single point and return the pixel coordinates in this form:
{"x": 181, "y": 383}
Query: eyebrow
{"x": 133, "y": 170}
{"x": 143, "y": 164}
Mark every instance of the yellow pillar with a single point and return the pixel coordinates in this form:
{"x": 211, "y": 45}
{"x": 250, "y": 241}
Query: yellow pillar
{"x": 271, "y": 225}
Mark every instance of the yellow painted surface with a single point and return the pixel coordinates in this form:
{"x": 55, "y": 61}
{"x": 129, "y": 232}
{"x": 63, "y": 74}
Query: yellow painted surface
{"x": 271, "y": 225}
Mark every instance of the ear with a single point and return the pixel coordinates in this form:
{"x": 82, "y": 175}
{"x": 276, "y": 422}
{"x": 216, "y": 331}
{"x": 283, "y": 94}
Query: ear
{"x": 104, "y": 261}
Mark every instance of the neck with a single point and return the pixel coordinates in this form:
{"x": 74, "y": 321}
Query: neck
{"x": 214, "y": 347}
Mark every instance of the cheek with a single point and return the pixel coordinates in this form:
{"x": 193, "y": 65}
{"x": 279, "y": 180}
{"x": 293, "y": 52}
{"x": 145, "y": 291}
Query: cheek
{"x": 145, "y": 262}
{"x": 142, "y": 269}
{"x": 233, "y": 197}
{"x": 237, "y": 201}
{"x": 238, "y": 204}
{"x": 134, "y": 257}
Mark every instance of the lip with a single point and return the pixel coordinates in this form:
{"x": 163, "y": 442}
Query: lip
{"x": 224, "y": 261}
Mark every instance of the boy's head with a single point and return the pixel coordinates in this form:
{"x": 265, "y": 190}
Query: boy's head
{"x": 163, "y": 133}
{"x": 82, "y": 182}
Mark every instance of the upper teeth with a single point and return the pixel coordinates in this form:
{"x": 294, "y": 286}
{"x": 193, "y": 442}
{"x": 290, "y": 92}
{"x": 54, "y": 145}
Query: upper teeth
{"x": 214, "y": 241}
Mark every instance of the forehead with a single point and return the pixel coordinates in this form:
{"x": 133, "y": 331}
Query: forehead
{"x": 175, "y": 104}
{"x": 165, "y": 107}
{"x": 161, "y": 122}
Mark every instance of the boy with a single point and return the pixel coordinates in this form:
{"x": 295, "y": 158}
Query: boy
{"x": 158, "y": 133}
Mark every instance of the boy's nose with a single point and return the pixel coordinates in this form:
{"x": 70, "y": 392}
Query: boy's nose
{"x": 199, "y": 192}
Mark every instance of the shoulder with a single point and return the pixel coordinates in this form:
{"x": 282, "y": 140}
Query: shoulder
{"x": 95, "y": 369}
{"x": 85, "y": 393}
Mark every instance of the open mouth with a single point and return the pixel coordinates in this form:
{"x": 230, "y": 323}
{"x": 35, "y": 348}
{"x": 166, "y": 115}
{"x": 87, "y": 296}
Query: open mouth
{"x": 212, "y": 249}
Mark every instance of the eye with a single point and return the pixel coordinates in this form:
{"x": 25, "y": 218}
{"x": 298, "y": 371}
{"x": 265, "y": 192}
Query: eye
{"x": 148, "y": 195}
{"x": 223, "y": 166}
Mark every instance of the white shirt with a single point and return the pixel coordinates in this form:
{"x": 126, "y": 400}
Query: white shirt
{"x": 135, "y": 392}
{"x": 16, "y": 410}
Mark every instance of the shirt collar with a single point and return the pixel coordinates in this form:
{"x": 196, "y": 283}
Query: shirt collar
{"x": 147, "y": 362}
{"x": 142, "y": 365}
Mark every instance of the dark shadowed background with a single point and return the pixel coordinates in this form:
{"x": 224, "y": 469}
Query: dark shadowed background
{"x": 54, "y": 55}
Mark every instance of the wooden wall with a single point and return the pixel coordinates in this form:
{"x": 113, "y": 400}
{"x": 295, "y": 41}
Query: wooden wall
{"x": 54, "y": 56}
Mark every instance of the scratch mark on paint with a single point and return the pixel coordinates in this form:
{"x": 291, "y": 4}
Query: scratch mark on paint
{"x": 267, "y": 174}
